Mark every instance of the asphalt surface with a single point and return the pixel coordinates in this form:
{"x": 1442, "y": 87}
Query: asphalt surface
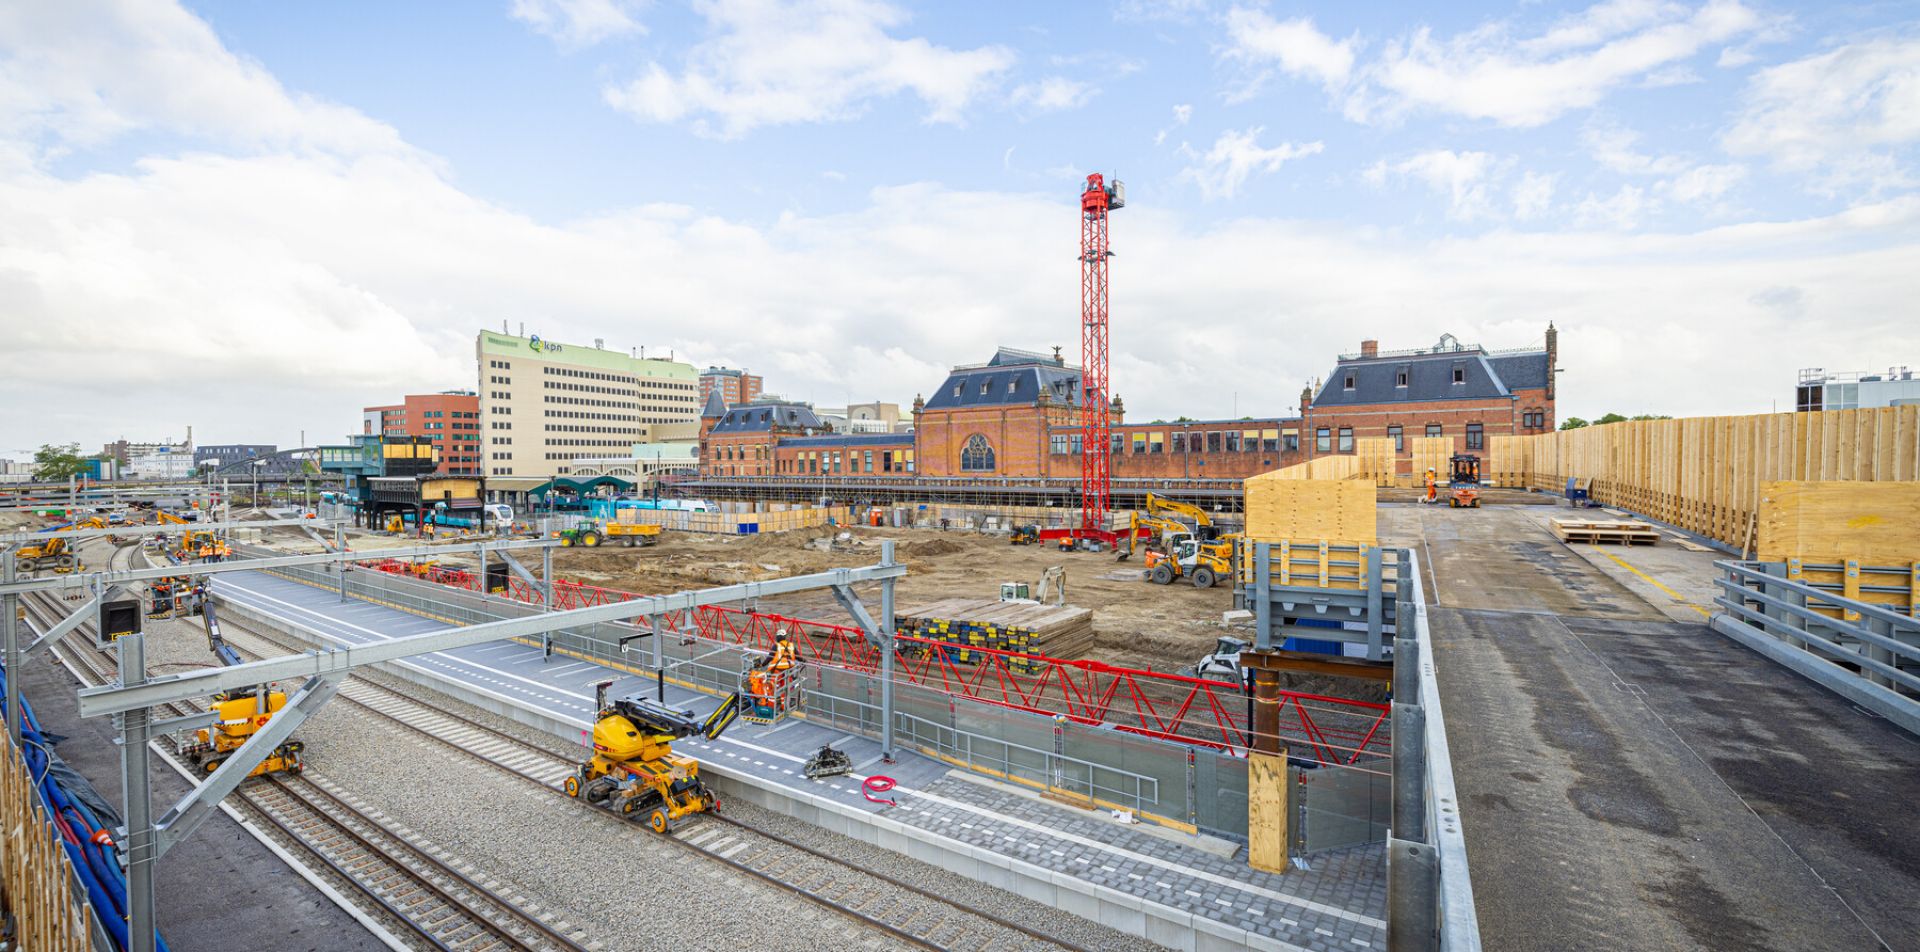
{"x": 1636, "y": 782}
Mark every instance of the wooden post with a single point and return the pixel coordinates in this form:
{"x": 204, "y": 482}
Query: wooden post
{"x": 1269, "y": 808}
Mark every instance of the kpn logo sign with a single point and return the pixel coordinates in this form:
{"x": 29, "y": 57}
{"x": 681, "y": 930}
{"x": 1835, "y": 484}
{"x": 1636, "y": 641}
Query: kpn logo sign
{"x": 539, "y": 346}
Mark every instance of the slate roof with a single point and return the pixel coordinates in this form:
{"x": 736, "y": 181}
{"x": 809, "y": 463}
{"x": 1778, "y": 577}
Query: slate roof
{"x": 850, "y": 439}
{"x": 1011, "y": 378}
{"x": 764, "y": 417}
{"x": 1430, "y": 377}
{"x": 716, "y": 405}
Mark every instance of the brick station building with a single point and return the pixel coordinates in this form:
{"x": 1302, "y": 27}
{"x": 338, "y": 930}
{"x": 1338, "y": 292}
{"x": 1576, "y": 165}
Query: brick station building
{"x": 1018, "y": 415}
{"x": 1463, "y": 392}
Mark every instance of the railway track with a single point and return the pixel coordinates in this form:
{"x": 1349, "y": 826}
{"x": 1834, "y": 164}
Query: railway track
{"x": 902, "y": 910}
{"x": 415, "y": 886}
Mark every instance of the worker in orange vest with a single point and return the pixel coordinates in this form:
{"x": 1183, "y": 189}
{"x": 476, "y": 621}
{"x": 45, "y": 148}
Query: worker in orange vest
{"x": 779, "y": 663}
{"x": 1433, "y": 487}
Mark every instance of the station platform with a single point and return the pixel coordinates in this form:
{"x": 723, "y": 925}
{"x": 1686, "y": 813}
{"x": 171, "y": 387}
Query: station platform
{"x": 1176, "y": 889}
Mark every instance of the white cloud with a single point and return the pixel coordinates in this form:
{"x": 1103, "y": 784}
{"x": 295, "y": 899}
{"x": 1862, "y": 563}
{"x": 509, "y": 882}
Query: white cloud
{"x": 1489, "y": 73}
{"x": 1181, "y": 114}
{"x": 1612, "y": 147}
{"x": 1850, "y": 114}
{"x": 1296, "y": 46}
{"x": 1622, "y": 210}
{"x": 306, "y": 275}
{"x": 1235, "y": 157}
{"x": 578, "y": 23}
{"x": 1052, "y": 94}
{"x": 1151, "y": 10}
{"x": 772, "y": 62}
{"x": 1533, "y": 194}
{"x": 1682, "y": 178}
{"x": 73, "y": 77}
{"x": 1705, "y": 182}
{"x": 1465, "y": 178}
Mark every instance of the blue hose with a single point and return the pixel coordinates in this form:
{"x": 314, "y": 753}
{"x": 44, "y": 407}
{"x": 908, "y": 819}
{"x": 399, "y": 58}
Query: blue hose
{"x": 97, "y": 865}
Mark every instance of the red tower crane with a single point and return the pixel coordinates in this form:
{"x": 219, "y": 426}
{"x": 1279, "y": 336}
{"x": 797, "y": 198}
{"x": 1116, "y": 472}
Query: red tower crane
{"x": 1096, "y": 420}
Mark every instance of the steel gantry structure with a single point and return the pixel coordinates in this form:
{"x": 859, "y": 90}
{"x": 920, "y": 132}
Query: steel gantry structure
{"x": 321, "y": 673}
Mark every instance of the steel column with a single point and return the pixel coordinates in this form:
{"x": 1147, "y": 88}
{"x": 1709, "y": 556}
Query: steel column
{"x": 1266, "y": 711}
{"x": 546, "y": 577}
{"x": 888, "y": 626}
{"x": 11, "y": 624}
{"x": 137, "y": 845}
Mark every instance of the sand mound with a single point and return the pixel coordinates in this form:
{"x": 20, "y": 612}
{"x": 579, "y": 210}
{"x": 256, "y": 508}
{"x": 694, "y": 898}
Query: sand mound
{"x": 931, "y": 547}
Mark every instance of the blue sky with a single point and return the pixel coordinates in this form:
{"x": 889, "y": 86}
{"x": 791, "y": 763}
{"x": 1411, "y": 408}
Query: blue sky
{"x": 521, "y": 116}
{"x": 318, "y": 204}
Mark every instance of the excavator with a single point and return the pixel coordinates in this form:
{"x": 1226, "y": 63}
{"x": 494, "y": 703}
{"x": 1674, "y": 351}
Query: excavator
{"x": 1167, "y": 530}
{"x": 239, "y": 713}
{"x": 634, "y": 770}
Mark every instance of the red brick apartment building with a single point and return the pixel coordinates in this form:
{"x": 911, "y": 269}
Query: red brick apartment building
{"x": 1460, "y": 391}
{"x": 450, "y": 419}
{"x": 734, "y": 386}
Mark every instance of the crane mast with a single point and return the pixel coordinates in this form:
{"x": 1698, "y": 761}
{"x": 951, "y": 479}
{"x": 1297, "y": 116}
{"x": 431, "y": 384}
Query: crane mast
{"x": 1096, "y": 419}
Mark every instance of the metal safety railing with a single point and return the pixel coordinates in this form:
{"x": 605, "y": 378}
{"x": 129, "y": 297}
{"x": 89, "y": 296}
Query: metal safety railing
{"x": 1865, "y": 651}
{"x": 1190, "y": 710}
{"x": 1167, "y": 781}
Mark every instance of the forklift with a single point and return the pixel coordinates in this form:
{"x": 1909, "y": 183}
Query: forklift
{"x": 1463, "y": 481}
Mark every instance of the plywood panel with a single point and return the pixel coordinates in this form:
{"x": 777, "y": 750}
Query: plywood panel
{"x": 1338, "y": 510}
{"x": 1267, "y": 813}
{"x": 1827, "y": 522}
{"x": 1376, "y": 456}
{"x": 1431, "y": 452}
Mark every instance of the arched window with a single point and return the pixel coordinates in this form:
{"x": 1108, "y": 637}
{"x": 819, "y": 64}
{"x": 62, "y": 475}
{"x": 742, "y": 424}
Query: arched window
{"x": 977, "y": 455}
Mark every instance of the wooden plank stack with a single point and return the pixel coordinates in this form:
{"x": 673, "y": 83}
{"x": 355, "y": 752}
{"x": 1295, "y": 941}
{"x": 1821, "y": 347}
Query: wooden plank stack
{"x": 1056, "y": 631}
{"x": 1620, "y": 533}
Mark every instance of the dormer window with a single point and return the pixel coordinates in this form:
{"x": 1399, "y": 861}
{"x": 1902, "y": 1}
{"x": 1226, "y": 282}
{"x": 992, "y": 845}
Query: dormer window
{"x": 1349, "y": 381}
{"x": 1400, "y": 379}
{"x": 984, "y": 385}
{"x": 956, "y": 389}
{"x": 1013, "y": 386}
{"x": 1459, "y": 375}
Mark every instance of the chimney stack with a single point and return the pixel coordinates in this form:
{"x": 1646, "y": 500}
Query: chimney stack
{"x": 1553, "y": 356}
{"x": 1369, "y": 348}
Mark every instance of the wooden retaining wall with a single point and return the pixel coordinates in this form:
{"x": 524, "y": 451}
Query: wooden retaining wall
{"x": 36, "y": 876}
{"x": 1705, "y": 474}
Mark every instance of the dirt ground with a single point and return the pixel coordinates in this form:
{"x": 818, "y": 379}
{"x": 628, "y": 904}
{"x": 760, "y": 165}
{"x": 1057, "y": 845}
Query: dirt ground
{"x": 1137, "y": 624}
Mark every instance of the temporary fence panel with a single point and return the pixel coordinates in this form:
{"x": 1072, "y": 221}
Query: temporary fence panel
{"x": 1337, "y": 807}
